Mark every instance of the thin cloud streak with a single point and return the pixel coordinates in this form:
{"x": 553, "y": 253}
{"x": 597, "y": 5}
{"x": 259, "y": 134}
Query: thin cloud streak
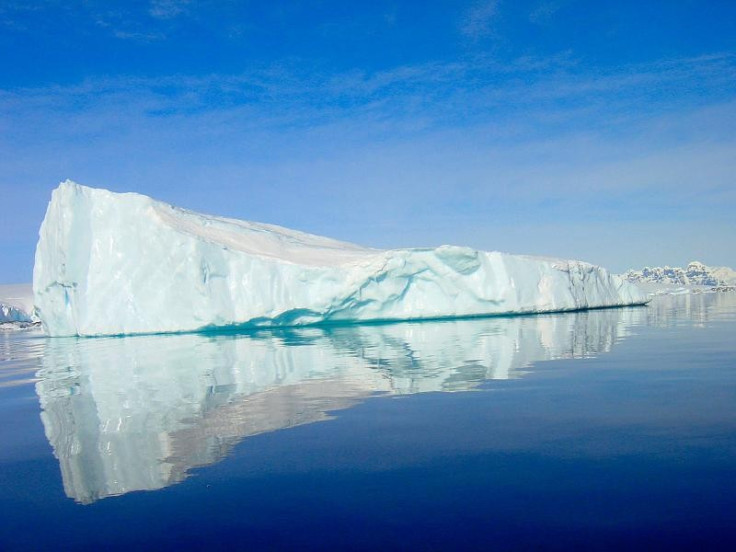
{"x": 545, "y": 11}
{"x": 168, "y": 9}
{"x": 478, "y": 21}
{"x": 443, "y": 92}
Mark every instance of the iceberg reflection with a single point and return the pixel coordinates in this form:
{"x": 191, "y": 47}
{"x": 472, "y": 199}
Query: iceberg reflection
{"x": 137, "y": 413}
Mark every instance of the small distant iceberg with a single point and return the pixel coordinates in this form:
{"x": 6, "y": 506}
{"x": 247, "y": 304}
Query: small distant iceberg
{"x": 16, "y": 306}
{"x": 120, "y": 264}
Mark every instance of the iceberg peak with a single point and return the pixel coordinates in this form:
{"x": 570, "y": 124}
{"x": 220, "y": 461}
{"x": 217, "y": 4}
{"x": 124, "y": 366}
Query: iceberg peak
{"x": 111, "y": 264}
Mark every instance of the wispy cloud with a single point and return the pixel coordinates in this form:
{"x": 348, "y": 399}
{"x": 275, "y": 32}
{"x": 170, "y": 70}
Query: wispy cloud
{"x": 122, "y": 23}
{"x": 480, "y": 90}
{"x": 138, "y": 36}
{"x": 545, "y": 11}
{"x": 168, "y": 9}
{"x": 478, "y": 21}
{"x": 12, "y": 13}
{"x": 127, "y": 21}
{"x": 461, "y": 149}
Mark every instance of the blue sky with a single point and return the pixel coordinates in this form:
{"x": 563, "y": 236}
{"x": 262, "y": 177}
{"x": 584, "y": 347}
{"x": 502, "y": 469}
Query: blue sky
{"x": 604, "y": 131}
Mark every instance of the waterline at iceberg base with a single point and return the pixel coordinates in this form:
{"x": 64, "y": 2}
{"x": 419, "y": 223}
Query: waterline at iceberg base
{"x": 118, "y": 264}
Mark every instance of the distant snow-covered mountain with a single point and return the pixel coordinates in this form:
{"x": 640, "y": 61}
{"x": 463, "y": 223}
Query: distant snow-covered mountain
{"x": 694, "y": 274}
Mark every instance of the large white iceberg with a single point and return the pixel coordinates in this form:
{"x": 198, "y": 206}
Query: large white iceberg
{"x": 109, "y": 264}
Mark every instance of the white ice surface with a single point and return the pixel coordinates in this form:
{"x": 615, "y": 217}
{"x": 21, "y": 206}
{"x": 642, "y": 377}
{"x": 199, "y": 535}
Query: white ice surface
{"x": 110, "y": 264}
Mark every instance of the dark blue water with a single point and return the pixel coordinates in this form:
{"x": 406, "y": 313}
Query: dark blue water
{"x": 612, "y": 429}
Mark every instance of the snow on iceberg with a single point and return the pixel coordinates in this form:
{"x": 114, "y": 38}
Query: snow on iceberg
{"x": 111, "y": 264}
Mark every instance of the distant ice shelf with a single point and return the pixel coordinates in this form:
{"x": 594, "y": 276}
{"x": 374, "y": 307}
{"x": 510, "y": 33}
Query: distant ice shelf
{"x": 115, "y": 264}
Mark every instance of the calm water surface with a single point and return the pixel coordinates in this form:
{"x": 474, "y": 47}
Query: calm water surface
{"x": 607, "y": 429}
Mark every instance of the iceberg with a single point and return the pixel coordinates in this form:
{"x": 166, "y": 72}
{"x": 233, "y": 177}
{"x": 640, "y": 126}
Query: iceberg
{"x": 120, "y": 264}
{"x": 16, "y": 304}
{"x": 9, "y": 313}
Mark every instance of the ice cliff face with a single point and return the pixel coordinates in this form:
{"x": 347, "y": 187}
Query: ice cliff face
{"x": 694, "y": 274}
{"x": 110, "y": 263}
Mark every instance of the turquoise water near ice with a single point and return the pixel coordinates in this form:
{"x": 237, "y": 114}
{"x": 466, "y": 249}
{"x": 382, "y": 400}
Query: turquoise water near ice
{"x": 600, "y": 429}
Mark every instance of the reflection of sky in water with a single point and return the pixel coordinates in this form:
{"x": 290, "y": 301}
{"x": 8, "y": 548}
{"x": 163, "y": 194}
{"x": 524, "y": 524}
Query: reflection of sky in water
{"x": 138, "y": 413}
